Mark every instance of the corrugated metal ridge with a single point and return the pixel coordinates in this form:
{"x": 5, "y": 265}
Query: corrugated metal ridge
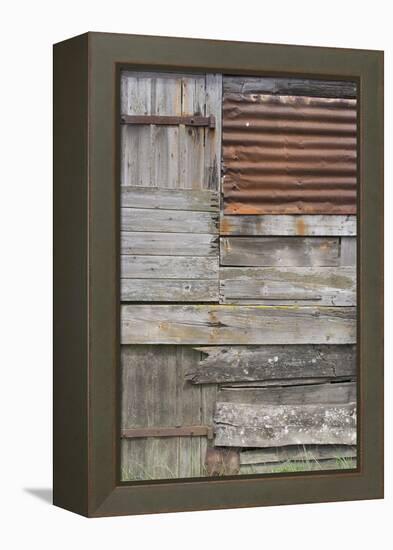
{"x": 289, "y": 154}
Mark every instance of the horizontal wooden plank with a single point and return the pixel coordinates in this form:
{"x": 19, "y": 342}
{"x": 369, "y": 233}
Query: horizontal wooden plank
{"x": 170, "y": 120}
{"x": 221, "y": 324}
{"x": 202, "y": 200}
{"x": 274, "y": 363}
{"x": 309, "y": 453}
{"x": 287, "y": 225}
{"x": 240, "y": 425}
{"x": 299, "y": 466}
{"x": 169, "y": 290}
{"x": 336, "y": 393}
{"x": 279, "y": 251}
{"x": 325, "y": 286}
{"x": 289, "y": 86}
{"x": 174, "y": 431}
{"x": 168, "y": 221}
{"x": 169, "y": 267}
{"x": 170, "y": 244}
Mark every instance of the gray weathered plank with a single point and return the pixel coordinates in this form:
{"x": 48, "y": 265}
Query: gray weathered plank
{"x": 289, "y": 86}
{"x": 337, "y": 393}
{"x": 169, "y": 290}
{"x": 299, "y": 466}
{"x": 203, "y": 200}
{"x": 309, "y": 453}
{"x": 168, "y": 221}
{"x": 288, "y": 225}
{"x": 323, "y": 286}
{"x": 168, "y": 244}
{"x": 263, "y": 363}
{"x": 155, "y": 394}
{"x": 348, "y": 246}
{"x": 169, "y": 267}
{"x": 213, "y": 143}
{"x": 221, "y": 324}
{"x": 241, "y": 425}
{"x": 279, "y": 251}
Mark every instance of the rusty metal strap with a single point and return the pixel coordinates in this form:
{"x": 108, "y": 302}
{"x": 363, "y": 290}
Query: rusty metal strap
{"x": 206, "y": 121}
{"x": 174, "y": 431}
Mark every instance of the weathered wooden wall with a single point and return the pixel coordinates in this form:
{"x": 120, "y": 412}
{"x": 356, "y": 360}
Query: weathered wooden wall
{"x": 241, "y": 327}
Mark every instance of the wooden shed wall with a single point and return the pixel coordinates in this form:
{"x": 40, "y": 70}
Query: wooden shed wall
{"x": 226, "y": 320}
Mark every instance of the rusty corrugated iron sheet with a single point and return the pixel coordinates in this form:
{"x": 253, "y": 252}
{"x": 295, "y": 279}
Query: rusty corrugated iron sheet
{"x": 289, "y": 154}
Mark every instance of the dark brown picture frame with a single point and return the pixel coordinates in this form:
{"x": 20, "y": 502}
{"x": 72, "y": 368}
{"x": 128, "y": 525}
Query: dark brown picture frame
{"x": 86, "y": 274}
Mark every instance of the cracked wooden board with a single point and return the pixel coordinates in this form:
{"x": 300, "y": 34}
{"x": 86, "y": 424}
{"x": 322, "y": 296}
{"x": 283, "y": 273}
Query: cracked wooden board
{"x": 243, "y": 425}
{"x": 323, "y": 286}
{"x": 168, "y": 221}
{"x": 221, "y": 364}
{"x": 171, "y": 244}
{"x": 197, "y": 200}
{"x": 204, "y": 324}
{"x": 169, "y": 290}
{"x": 168, "y": 267}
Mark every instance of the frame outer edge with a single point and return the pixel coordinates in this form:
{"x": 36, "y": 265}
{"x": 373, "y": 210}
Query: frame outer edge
{"x": 70, "y": 275}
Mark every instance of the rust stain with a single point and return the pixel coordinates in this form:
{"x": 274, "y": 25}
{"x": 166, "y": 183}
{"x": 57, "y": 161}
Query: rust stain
{"x": 225, "y": 226}
{"x": 289, "y": 154}
{"x": 301, "y": 227}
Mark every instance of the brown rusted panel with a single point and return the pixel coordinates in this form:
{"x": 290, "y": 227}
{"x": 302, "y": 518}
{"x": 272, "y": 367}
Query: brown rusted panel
{"x": 222, "y": 461}
{"x": 289, "y": 154}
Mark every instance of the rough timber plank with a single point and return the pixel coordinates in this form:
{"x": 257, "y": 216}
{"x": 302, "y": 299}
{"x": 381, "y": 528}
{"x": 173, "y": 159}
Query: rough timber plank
{"x": 269, "y": 363}
{"x": 169, "y": 290}
{"x": 155, "y": 394}
{"x": 337, "y": 393}
{"x": 309, "y": 453}
{"x": 298, "y": 466}
{"x": 287, "y": 225}
{"x": 279, "y": 251}
{"x": 213, "y": 143}
{"x": 169, "y": 267}
{"x": 198, "y": 200}
{"x": 323, "y": 286}
{"x": 348, "y": 247}
{"x": 168, "y": 221}
{"x": 289, "y": 86}
{"x": 169, "y": 244}
{"x": 205, "y": 324}
{"x": 241, "y": 425}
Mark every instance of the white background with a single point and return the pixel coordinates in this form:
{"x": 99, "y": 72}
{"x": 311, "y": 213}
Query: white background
{"x": 28, "y": 30}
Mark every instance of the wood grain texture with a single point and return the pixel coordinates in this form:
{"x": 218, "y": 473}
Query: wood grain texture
{"x": 155, "y": 394}
{"x": 299, "y": 466}
{"x": 170, "y": 244}
{"x": 178, "y": 157}
{"x": 169, "y": 290}
{"x": 299, "y": 453}
{"x": 202, "y": 200}
{"x": 243, "y": 425}
{"x": 323, "y": 286}
{"x": 169, "y": 267}
{"x": 273, "y": 363}
{"x": 279, "y": 251}
{"x": 289, "y": 86}
{"x": 330, "y": 393}
{"x": 168, "y": 221}
{"x": 288, "y": 225}
{"x": 204, "y": 324}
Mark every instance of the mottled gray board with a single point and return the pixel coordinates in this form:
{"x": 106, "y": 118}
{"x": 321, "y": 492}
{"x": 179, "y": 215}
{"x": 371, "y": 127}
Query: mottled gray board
{"x": 168, "y": 221}
{"x": 275, "y": 363}
{"x": 155, "y": 393}
{"x": 348, "y": 247}
{"x": 168, "y": 244}
{"x": 279, "y": 251}
{"x": 309, "y": 453}
{"x": 242, "y": 425}
{"x": 323, "y": 286}
{"x": 289, "y": 86}
{"x": 288, "y": 225}
{"x": 169, "y": 290}
{"x": 221, "y": 324}
{"x": 169, "y": 267}
{"x": 299, "y": 466}
{"x": 333, "y": 393}
{"x": 198, "y": 200}
{"x": 166, "y": 156}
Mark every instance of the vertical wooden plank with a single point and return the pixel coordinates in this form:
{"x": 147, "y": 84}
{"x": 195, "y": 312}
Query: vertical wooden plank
{"x": 348, "y": 251}
{"x": 213, "y": 137}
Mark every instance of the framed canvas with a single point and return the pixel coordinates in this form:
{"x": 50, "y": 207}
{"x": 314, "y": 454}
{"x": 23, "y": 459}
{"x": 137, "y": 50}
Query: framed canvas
{"x": 218, "y": 274}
